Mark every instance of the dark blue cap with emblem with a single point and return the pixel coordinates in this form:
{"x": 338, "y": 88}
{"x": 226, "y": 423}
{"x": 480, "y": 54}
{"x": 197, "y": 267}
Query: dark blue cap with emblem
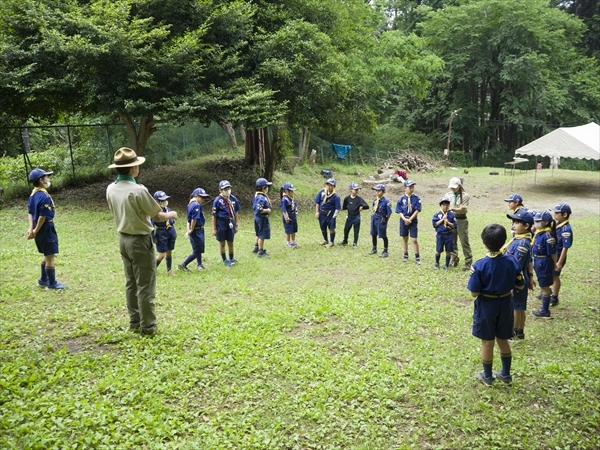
{"x": 542, "y": 216}
{"x": 562, "y": 208}
{"x": 288, "y": 187}
{"x": 514, "y": 198}
{"x": 408, "y": 183}
{"x": 160, "y": 196}
{"x": 354, "y": 186}
{"x": 379, "y": 187}
{"x": 522, "y": 215}
{"x": 199, "y": 192}
{"x": 36, "y": 174}
{"x": 224, "y": 184}
{"x": 262, "y": 182}
{"x": 331, "y": 181}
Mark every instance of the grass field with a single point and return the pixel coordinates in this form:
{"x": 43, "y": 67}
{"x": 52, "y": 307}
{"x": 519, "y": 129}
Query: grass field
{"x": 314, "y": 348}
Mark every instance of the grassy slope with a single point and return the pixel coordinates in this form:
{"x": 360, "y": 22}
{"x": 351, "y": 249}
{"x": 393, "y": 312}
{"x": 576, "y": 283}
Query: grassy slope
{"x": 314, "y": 348}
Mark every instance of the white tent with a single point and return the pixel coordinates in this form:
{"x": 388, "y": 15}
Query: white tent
{"x": 568, "y": 142}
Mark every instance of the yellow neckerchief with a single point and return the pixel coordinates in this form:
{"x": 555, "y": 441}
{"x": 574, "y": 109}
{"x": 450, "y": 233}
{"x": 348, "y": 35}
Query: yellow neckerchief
{"x": 409, "y": 205}
{"x": 292, "y": 203}
{"x": 263, "y": 194}
{"x": 562, "y": 224}
{"x": 376, "y": 205}
{"x": 493, "y": 254}
{"x": 39, "y": 189}
{"x": 516, "y": 236}
{"x": 326, "y": 196}
{"x": 542, "y": 230}
{"x": 518, "y": 208}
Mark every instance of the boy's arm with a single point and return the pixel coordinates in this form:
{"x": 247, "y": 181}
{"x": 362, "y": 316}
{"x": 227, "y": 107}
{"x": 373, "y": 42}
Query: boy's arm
{"x": 562, "y": 257}
{"x": 214, "y": 225}
{"x": 474, "y": 294}
{"x": 30, "y": 229}
{"x": 530, "y": 273}
{"x": 40, "y": 222}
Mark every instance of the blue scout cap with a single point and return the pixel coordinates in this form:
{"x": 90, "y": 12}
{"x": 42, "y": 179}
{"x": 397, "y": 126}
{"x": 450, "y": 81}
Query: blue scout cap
{"x": 522, "y": 215}
{"x": 514, "y": 198}
{"x": 224, "y": 184}
{"x": 542, "y": 216}
{"x": 354, "y": 186}
{"x": 288, "y": 187}
{"x": 562, "y": 208}
{"x": 444, "y": 200}
{"x": 408, "y": 183}
{"x": 262, "y": 182}
{"x": 331, "y": 181}
{"x": 199, "y": 192}
{"x": 36, "y": 174}
{"x": 379, "y": 187}
{"x": 160, "y": 196}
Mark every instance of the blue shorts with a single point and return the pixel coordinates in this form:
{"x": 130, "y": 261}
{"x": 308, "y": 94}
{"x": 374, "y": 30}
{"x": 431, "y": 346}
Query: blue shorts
{"x": 444, "y": 240}
{"x": 225, "y": 234}
{"x": 262, "y": 227}
{"x": 197, "y": 241}
{"x": 519, "y": 300}
{"x": 556, "y": 273}
{"x": 292, "y": 227}
{"x": 378, "y": 226}
{"x": 406, "y": 229}
{"x": 46, "y": 239}
{"x": 326, "y": 220}
{"x": 544, "y": 269}
{"x": 493, "y": 318}
{"x": 165, "y": 239}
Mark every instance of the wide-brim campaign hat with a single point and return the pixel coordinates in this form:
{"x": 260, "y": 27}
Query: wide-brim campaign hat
{"x": 125, "y": 157}
{"x": 454, "y": 183}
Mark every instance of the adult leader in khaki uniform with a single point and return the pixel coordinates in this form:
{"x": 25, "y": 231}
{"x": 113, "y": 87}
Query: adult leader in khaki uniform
{"x": 459, "y": 205}
{"x": 133, "y": 206}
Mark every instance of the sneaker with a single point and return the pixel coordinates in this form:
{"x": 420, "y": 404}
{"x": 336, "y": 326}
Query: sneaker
{"x": 405, "y": 257}
{"x": 56, "y": 285}
{"x": 504, "y": 379}
{"x": 255, "y": 248}
{"x": 200, "y": 268}
{"x": 42, "y": 284}
{"x": 488, "y": 381}
{"x": 234, "y": 261}
{"x": 171, "y": 273}
{"x": 287, "y": 244}
{"x": 373, "y": 251}
{"x": 330, "y": 244}
{"x": 344, "y": 243}
{"x": 324, "y": 243}
{"x": 519, "y": 337}
{"x": 183, "y": 268}
{"x": 263, "y": 254}
{"x": 541, "y": 313}
{"x": 553, "y": 300}
{"x": 445, "y": 268}
{"x": 384, "y": 254}
{"x": 436, "y": 266}
{"x": 355, "y": 245}
{"x": 228, "y": 263}
{"x": 295, "y": 244}
{"x": 418, "y": 260}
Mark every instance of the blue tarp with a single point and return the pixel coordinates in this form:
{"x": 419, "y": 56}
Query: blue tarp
{"x": 341, "y": 150}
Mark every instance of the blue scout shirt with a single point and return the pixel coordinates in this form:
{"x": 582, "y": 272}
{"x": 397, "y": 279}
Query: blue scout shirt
{"x": 40, "y": 204}
{"x": 520, "y": 249}
{"x": 260, "y": 202}
{"x": 328, "y": 203}
{"x": 443, "y": 228}
{"x": 382, "y": 207}
{"x": 161, "y": 225}
{"x": 407, "y": 206}
{"x": 194, "y": 211}
{"x": 224, "y": 210}
{"x": 564, "y": 234}
{"x": 289, "y": 205}
{"x": 495, "y": 275}
{"x": 544, "y": 244}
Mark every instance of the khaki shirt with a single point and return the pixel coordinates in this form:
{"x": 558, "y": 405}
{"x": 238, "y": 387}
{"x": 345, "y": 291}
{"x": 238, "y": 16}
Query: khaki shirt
{"x": 133, "y": 206}
{"x": 455, "y": 201}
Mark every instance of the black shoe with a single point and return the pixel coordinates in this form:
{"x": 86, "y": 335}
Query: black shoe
{"x": 373, "y": 251}
{"x": 344, "y": 243}
{"x": 488, "y": 381}
{"x": 499, "y": 376}
{"x": 183, "y": 268}
{"x": 553, "y": 300}
{"x": 255, "y": 249}
{"x": 542, "y": 314}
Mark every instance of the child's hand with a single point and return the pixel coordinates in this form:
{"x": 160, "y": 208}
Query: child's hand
{"x": 317, "y": 215}
{"x": 558, "y": 266}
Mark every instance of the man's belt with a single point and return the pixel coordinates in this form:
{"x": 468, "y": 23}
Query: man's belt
{"x": 460, "y": 216}
{"x": 496, "y": 295}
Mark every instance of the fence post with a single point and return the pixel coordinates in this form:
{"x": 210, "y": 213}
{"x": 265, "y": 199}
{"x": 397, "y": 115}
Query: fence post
{"x": 108, "y": 142}
{"x": 71, "y": 150}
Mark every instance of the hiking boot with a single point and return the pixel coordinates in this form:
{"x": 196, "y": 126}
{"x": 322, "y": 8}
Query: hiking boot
{"x": 466, "y": 267}
{"x": 553, "y": 300}
{"x": 488, "y": 381}
{"x": 384, "y": 254}
{"x": 373, "y": 251}
{"x": 505, "y": 379}
{"x": 183, "y": 268}
{"x": 255, "y": 248}
{"x": 418, "y": 260}
{"x": 56, "y": 285}
{"x": 405, "y": 257}
{"x": 541, "y": 313}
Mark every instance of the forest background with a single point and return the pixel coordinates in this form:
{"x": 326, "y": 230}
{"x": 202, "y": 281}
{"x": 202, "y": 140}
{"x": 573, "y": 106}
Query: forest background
{"x": 284, "y": 77}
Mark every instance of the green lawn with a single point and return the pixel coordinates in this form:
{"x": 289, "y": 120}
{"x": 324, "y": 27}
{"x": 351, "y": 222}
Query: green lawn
{"x": 313, "y": 349}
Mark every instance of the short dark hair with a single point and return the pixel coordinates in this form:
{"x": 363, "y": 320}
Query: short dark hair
{"x": 123, "y": 170}
{"x": 493, "y": 237}
{"x": 522, "y": 222}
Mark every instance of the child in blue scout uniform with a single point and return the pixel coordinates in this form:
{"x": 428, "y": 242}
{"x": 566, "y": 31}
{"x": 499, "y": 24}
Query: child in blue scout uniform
{"x": 327, "y": 207}
{"x": 491, "y": 282}
{"x": 164, "y": 234}
{"x": 408, "y": 206}
{"x": 289, "y": 209}
{"x": 382, "y": 210}
{"x": 225, "y": 215}
{"x": 515, "y": 202}
{"x": 544, "y": 258}
{"x": 40, "y": 210}
{"x": 262, "y": 209}
{"x": 354, "y": 204}
{"x": 519, "y": 248}
{"x": 444, "y": 223}
{"x": 195, "y": 229}
{"x": 564, "y": 235}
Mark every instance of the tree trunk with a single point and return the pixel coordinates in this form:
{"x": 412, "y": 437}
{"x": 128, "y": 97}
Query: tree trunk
{"x": 139, "y": 138}
{"x": 242, "y": 131}
{"x": 228, "y": 127}
{"x": 303, "y": 141}
{"x": 260, "y": 152}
